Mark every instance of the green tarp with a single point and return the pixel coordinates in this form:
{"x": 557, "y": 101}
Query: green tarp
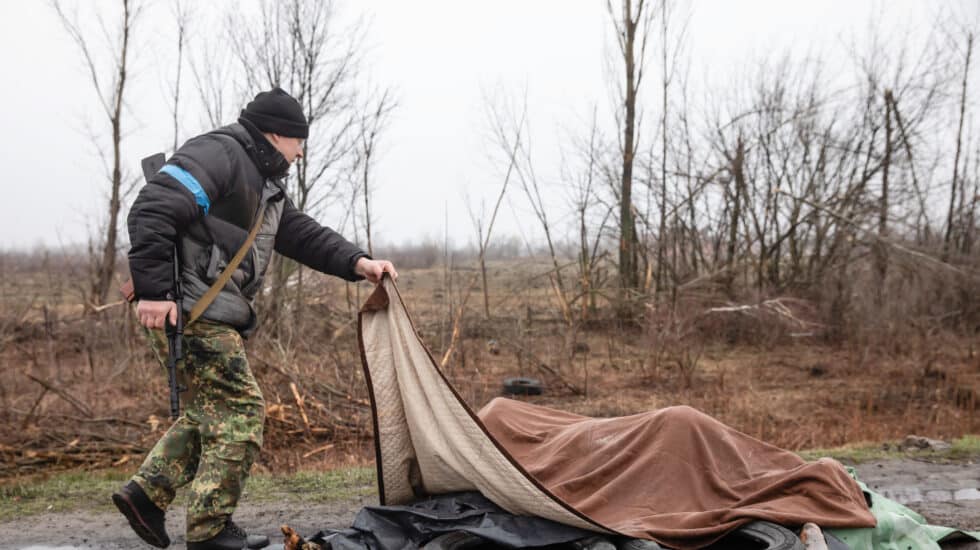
{"x": 899, "y": 528}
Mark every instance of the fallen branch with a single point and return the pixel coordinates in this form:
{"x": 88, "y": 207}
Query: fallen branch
{"x": 302, "y": 409}
{"x": 316, "y": 384}
{"x": 318, "y": 450}
{"x": 30, "y": 413}
{"x": 775, "y": 307}
{"x": 98, "y": 309}
{"x": 74, "y": 402}
{"x": 339, "y": 331}
{"x": 106, "y": 419}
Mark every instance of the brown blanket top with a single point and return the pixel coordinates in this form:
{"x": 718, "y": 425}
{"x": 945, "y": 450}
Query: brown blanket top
{"x": 673, "y": 475}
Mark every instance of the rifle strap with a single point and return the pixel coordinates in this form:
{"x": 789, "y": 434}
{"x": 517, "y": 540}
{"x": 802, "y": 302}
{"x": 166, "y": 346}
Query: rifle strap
{"x": 201, "y": 305}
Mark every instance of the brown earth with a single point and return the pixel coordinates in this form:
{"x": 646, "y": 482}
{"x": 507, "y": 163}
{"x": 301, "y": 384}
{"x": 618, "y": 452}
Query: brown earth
{"x": 83, "y": 391}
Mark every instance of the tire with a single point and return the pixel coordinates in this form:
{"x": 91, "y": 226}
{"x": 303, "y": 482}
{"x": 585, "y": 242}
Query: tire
{"x": 760, "y": 535}
{"x": 522, "y": 386}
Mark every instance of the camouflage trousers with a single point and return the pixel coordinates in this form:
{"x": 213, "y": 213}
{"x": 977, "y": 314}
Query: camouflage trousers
{"x": 218, "y": 435}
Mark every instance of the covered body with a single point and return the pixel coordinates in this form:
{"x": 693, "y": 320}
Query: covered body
{"x": 674, "y": 475}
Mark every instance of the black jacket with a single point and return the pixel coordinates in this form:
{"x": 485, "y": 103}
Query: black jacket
{"x": 205, "y": 201}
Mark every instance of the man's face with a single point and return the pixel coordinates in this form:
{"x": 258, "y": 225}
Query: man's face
{"x": 290, "y": 147}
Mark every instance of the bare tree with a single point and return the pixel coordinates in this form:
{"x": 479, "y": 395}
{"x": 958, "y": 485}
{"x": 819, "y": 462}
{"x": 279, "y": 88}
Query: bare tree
{"x": 734, "y": 198}
{"x": 110, "y": 89}
{"x": 971, "y": 216}
{"x": 519, "y": 159}
{"x": 670, "y": 59}
{"x": 881, "y": 252}
{"x": 217, "y": 79}
{"x": 950, "y": 216}
{"x": 370, "y": 127}
{"x": 298, "y": 46}
{"x": 182, "y": 16}
{"x": 632, "y": 24}
{"x": 484, "y": 243}
{"x": 584, "y": 199}
{"x": 478, "y": 219}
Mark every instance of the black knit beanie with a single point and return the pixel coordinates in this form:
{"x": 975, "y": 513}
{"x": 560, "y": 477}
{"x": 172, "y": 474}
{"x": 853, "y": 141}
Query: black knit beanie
{"x": 276, "y": 112}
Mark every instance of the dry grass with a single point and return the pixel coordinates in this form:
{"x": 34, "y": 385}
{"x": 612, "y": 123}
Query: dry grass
{"x": 107, "y": 403}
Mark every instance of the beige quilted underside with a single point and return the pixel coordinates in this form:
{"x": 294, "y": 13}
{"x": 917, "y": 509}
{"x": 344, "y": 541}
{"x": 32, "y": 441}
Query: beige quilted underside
{"x": 420, "y": 418}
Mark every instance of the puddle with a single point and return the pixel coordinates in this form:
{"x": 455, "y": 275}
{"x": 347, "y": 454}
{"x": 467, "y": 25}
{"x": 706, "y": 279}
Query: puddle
{"x": 908, "y": 495}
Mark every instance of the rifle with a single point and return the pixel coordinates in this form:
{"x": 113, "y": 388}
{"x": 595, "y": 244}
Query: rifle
{"x": 175, "y": 337}
{"x": 151, "y": 165}
{"x": 175, "y": 332}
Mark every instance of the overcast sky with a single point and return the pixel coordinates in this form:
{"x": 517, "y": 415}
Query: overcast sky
{"x": 442, "y": 59}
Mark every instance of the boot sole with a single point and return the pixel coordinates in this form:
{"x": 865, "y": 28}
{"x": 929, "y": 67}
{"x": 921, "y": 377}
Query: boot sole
{"x": 136, "y": 521}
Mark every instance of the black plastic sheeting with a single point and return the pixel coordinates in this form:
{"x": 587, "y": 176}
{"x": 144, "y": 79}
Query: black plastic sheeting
{"x": 425, "y": 524}
{"x": 412, "y": 526}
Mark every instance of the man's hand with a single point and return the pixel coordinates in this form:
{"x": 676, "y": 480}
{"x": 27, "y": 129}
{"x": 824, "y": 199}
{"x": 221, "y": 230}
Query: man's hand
{"x": 372, "y": 270}
{"x": 153, "y": 313}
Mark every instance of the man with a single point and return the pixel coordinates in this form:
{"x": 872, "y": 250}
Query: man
{"x": 204, "y": 202}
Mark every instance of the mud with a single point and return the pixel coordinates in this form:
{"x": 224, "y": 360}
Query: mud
{"x": 947, "y": 494}
{"x": 109, "y": 531}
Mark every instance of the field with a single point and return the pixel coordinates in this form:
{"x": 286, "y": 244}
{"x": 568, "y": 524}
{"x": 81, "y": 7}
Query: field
{"x": 83, "y": 390}
{"x": 84, "y": 398}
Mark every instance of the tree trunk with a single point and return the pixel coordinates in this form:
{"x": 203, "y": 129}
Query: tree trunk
{"x": 881, "y": 250}
{"x": 951, "y": 215}
{"x": 486, "y": 290}
{"x": 628, "y": 274}
{"x": 738, "y": 174}
{"x": 107, "y": 265}
{"x": 663, "y": 156}
{"x": 585, "y": 271}
{"x": 367, "y": 202}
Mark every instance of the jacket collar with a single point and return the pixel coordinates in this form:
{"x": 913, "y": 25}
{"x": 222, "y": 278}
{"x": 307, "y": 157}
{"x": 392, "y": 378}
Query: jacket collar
{"x": 267, "y": 159}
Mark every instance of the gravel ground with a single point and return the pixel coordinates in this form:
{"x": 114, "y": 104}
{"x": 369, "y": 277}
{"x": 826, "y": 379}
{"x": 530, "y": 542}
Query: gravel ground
{"x": 947, "y": 494}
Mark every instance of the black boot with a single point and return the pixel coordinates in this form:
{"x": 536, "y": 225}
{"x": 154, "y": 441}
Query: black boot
{"x": 232, "y": 537}
{"x": 144, "y": 517}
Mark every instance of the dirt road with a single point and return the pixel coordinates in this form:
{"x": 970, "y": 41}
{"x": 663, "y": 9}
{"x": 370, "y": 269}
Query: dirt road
{"x": 947, "y": 494}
